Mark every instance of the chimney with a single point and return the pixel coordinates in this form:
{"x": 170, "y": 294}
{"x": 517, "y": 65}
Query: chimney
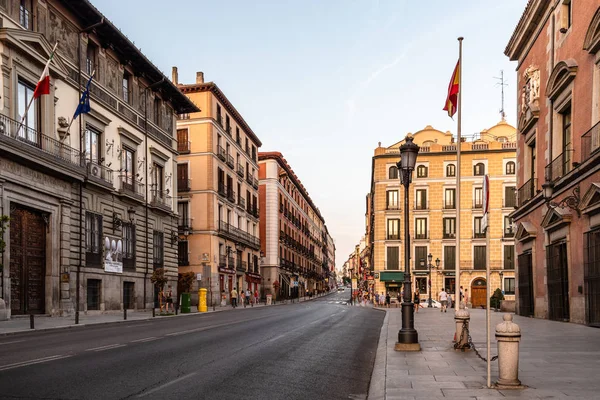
{"x": 175, "y": 76}
{"x": 199, "y": 77}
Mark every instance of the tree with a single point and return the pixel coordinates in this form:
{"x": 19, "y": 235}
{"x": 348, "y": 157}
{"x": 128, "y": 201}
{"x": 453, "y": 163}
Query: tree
{"x": 159, "y": 279}
{"x": 186, "y": 281}
{"x": 496, "y": 298}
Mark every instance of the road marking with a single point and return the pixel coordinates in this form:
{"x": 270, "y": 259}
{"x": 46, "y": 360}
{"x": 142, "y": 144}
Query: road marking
{"x": 136, "y": 325}
{"x": 107, "y": 347}
{"x": 14, "y": 341}
{"x": 183, "y": 332}
{"x": 167, "y": 384}
{"x": 148, "y": 339}
{"x": 32, "y": 362}
{"x": 276, "y": 338}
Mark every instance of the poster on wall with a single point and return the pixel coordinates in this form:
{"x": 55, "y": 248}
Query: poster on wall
{"x": 113, "y": 254}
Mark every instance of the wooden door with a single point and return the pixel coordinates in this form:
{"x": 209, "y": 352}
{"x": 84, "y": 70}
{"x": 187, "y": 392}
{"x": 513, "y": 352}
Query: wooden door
{"x": 478, "y": 293}
{"x": 27, "y": 261}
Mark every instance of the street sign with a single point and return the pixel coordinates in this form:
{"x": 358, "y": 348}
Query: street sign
{"x": 295, "y": 283}
{"x": 198, "y": 277}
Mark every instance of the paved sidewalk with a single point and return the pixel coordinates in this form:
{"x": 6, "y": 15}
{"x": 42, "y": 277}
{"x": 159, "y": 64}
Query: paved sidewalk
{"x": 21, "y": 324}
{"x": 557, "y": 360}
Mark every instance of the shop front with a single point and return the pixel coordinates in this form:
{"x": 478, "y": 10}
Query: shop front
{"x": 226, "y": 282}
{"x": 392, "y": 281}
{"x": 253, "y": 282}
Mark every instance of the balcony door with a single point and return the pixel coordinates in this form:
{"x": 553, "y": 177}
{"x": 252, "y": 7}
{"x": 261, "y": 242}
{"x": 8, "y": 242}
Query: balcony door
{"x": 31, "y": 121}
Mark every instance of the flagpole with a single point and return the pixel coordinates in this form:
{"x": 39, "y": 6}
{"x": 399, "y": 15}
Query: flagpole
{"x": 458, "y": 137}
{"x": 87, "y": 88}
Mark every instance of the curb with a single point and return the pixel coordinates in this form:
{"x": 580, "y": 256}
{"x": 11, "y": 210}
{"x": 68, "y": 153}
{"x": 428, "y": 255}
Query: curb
{"x": 378, "y": 377}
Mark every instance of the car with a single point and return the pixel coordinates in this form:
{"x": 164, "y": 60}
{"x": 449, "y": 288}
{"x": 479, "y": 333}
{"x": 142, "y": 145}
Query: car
{"x": 424, "y": 302}
{"x": 341, "y": 289}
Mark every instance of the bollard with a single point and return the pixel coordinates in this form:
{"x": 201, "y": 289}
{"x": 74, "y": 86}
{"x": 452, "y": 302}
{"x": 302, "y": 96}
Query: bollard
{"x": 176, "y": 308}
{"x": 461, "y": 317}
{"x": 508, "y": 335}
{"x": 125, "y": 313}
{"x": 31, "y": 322}
{"x": 153, "y": 312}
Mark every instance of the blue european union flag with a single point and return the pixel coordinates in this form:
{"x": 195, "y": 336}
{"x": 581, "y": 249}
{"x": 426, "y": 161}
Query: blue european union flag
{"x": 84, "y": 102}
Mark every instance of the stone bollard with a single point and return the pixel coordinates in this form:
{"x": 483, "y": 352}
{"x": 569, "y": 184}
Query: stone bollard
{"x": 462, "y": 316}
{"x": 508, "y": 335}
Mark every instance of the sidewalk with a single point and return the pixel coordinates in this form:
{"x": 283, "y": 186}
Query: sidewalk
{"x": 557, "y": 360}
{"x": 21, "y": 324}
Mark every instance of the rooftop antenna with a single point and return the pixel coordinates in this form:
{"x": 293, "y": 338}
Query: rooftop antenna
{"x": 501, "y": 84}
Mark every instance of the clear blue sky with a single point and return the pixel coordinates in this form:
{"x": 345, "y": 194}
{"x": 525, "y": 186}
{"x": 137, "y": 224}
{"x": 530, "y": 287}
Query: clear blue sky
{"x": 324, "y": 81}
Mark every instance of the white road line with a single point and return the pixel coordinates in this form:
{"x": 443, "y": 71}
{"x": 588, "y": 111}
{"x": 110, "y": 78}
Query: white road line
{"x": 32, "y": 362}
{"x": 167, "y": 384}
{"x": 184, "y": 332}
{"x": 14, "y": 341}
{"x": 148, "y": 339}
{"x": 107, "y": 347}
{"x": 136, "y": 325}
{"x": 276, "y": 338}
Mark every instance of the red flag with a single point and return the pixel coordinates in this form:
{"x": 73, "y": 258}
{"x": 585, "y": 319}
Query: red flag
{"x": 43, "y": 85}
{"x": 453, "y": 88}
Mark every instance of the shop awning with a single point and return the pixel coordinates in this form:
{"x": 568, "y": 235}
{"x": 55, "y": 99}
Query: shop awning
{"x": 391, "y": 276}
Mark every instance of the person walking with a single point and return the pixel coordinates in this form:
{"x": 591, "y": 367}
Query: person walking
{"x": 443, "y": 297}
{"x": 248, "y": 296}
{"x": 169, "y": 296}
{"x": 255, "y": 296}
{"x": 417, "y": 299}
{"x": 387, "y": 299}
{"x": 243, "y": 298}
{"x": 466, "y": 298}
{"x": 234, "y": 296}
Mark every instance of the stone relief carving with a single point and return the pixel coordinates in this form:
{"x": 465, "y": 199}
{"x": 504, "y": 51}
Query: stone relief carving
{"x": 111, "y": 75}
{"x": 65, "y": 34}
{"x": 530, "y": 92}
{"x": 62, "y": 129}
{"x": 41, "y": 19}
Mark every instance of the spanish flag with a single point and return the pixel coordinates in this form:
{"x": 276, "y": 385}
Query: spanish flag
{"x": 453, "y": 88}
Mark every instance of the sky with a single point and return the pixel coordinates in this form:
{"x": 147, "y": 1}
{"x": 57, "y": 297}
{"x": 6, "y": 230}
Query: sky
{"x": 323, "y": 82}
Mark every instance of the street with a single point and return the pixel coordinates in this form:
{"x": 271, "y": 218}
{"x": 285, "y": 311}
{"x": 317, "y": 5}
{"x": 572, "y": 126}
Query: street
{"x": 319, "y": 349}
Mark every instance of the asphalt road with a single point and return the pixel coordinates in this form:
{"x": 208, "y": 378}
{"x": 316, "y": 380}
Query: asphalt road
{"x": 320, "y": 349}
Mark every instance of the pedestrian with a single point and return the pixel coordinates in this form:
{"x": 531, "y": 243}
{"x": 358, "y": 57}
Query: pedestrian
{"x": 234, "y": 295}
{"x": 387, "y": 299}
{"x": 255, "y": 296}
{"x": 243, "y": 298}
{"x": 443, "y": 297}
{"x": 248, "y": 296}
{"x": 382, "y": 300}
{"x": 466, "y": 298}
{"x": 161, "y": 299}
{"x": 398, "y": 298}
{"x": 376, "y": 299}
{"x": 461, "y": 294}
{"x": 417, "y": 299}
{"x": 169, "y": 296}
{"x": 223, "y": 298}
{"x": 450, "y": 301}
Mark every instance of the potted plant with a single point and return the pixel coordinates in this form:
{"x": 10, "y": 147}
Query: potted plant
{"x": 159, "y": 280}
{"x": 185, "y": 282}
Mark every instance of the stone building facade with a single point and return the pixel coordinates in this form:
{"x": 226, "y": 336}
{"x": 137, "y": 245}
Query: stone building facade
{"x": 90, "y": 202}
{"x": 557, "y": 47}
{"x": 217, "y": 174}
{"x": 433, "y": 209}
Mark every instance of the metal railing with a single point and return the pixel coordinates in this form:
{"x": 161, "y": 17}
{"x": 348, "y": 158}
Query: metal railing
{"x": 184, "y": 223}
{"x": 449, "y": 235}
{"x": 478, "y": 235}
{"x": 450, "y": 206}
{"x": 391, "y": 236}
{"x": 99, "y": 172}
{"x": 590, "y": 142}
{"x": 392, "y": 206}
{"x": 131, "y": 186}
{"x": 559, "y": 167}
{"x": 230, "y": 161}
{"x": 509, "y": 232}
{"x": 421, "y": 206}
{"x": 239, "y": 234}
{"x": 255, "y": 183}
{"x": 249, "y": 178}
{"x": 231, "y": 195}
{"x": 184, "y": 146}
{"x": 478, "y": 203}
{"x": 222, "y": 260}
{"x": 184, "y": 185}
{"x": 421, "y": 236}
{"x": 527, "y": 191}
{"x": 219, "y": 120}
{"x": 222, "y": 189}
{"x": 221, "y": 153}
{"x": 13, "y": 129}
{"x": 241, "y": 201}
{"x": 240, "y": 170}
{"x": 159, "y": 197}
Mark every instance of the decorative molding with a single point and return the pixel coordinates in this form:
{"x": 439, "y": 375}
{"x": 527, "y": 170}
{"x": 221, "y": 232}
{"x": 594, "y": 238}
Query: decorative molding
{"x": 525, "y": 232}
{"x": 562, "y": 75}
{"x": 156, "y": 152}
{"x": 132, "y": 137}
{"x": 590, "y": 203}
{"x": 556, "y": 218}
{"x": 591, "y": 43}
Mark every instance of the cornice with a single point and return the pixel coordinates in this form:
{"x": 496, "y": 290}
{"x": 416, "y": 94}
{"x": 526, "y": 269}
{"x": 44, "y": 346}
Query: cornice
{"x": 527, "y": 28}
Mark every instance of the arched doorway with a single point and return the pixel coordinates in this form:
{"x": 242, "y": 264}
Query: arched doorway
{"x": 478, "y": 293}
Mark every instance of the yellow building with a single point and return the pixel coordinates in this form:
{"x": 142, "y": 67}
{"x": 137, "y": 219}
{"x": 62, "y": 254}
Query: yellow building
{"x": 433, "y": 210}
{"x": 217, "y": 176}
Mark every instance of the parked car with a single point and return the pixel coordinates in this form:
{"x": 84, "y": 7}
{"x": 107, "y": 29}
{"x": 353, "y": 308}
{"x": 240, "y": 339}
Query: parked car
{"x": 434, "y": 303}
{"x": 341, "y": 289}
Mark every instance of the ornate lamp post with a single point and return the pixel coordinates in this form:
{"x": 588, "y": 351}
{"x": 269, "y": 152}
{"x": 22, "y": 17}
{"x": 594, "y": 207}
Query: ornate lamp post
{"x": 408, "y": 338}
{"x": 437, "y": 265}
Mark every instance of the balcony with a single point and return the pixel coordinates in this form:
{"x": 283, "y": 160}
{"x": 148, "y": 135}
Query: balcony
{"x": 509, "y": 145}
{"x": 255, "y": 183}
{"x": 449, "y": 235}
{"x": 392, "y": 236}
{"x": 184, "y": 147}
{"x": 480, "y": 146}
{"x": 478, "y": 203}
{"x": 450, "y": 206}
{"x": 527, "y": 191}
{"x": 559, "y": 167}
{"x": 131, "y": 187}
{"x": 184, "y": 224}
{"x": 221, "y": 153}
{"x": 99, "y": 174}
{"x": 222, "y": 261}
{"x": 160, "y": 199}
{"x": 249, "y": 178}
{"x": 424, "y": 205}
{"x": 240, "y": 170}
{"x": 450, "y": 147}
{"x": 184, "y": 185}
{"x": 228, "y": 130}
{"x": 37, "y": 147}
{"x": 230, "y": 161}
{"x": 421, "y": 236}
{"x": 590, "y": 143}
{"x": 231, "y": 195}
{"x": 238, "y": 235}
{"x": 222, "y": 189}
{"x": 241, "y": 266}
{"x": 478, "y": 235}
{"x": 241, "y": 202}
{"x": 509, "y": 232}
{"x": 393, "y": 207}
{"x": 219, "y": 120}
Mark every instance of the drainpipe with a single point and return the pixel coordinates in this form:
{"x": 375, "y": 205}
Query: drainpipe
{"x": 551, "y": 122}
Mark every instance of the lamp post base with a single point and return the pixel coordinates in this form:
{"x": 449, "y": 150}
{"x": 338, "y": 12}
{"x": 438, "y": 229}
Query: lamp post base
{"x": 407, "y": 347}
{"x": 408, "y": 337}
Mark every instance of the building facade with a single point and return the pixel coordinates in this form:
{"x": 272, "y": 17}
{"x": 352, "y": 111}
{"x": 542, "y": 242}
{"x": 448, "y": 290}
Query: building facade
{"x": 433, "y": 209}
{"x": 217, "y": 175}
{"x": 91, "y": 204}
{"x": 556, "y": 45}
{"x": 294, "y": 239}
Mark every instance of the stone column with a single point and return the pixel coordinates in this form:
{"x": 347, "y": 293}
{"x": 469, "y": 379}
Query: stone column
{"x": 508, "y": 335}
{"x": 66, "y": 304}
{"x": 462, "y": 317}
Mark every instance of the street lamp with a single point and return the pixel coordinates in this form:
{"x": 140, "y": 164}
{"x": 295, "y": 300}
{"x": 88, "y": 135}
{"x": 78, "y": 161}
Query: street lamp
{"x": 437, "y": 265}
{"x": 408, "y": 334}
{"x": 351, "y": 289}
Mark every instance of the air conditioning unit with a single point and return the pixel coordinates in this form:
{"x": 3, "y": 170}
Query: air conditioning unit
{"x": 95, "y": 170}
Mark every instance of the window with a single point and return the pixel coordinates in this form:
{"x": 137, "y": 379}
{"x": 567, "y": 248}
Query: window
{"x": 25, "y": 14}
{"x": 182, "y": 253}
{"x": 158, "y": 178}
{"x": 158, "y": 249}
{"x": 156, "y": 109}
{"x": 421, "y": 228}
{"x": 450, "y": 170}
{"x": 253, "y": 152}
{"x": 509, "y": 257}
{"x": 227, "y": 124}
{"x": 421, "y": 257}
{"x": 421, "y": 283}
{"x": 392, "y": 200}
{"x": 565, "y": 166}
{"x": 510, "y": 168}
{"x": 183, "y": 182}
{"x": 532, "y": 165}
{"x": 219, "y": 116}
{"x": 128, "y": 165}
{"x": 479, "y": 169}
{"x": 508, "y": 227}
{"x": 566, "y": 17}
{"x": 93, "y": 239}
{"x": 479, "y": 257}
{"x": 393, "y": 229}
{"x": 450, "y": 285}
{"x": 478, "y": 198}
{"x": 184, "y": 215}
{"x": 183, "y": 141}
{"x": 126, "y": 94}
{"x": 237, "y": 136}
{"x": 449, "y": 228}
{"x": 93, "y": 294}
{"x": 421, "y": 199}
{"x": 450, "y": 199}
{"x": 477, "y": 231}
{"x": 393, "y": 173}
{"x": 450, "y": 257}
{"x": 509, "y": 285}
{"x": 393, "y": 257}
{"x": 90, "y": 58}
{"x": 128, "y": 245}
{"x": 422, "y": 171}
{"x": 92, "y": 144}
{"x": 24, "y": 96}
{"x": 510, "y": 196}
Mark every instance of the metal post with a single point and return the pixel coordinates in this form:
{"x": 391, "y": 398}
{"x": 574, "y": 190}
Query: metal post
{"x": 125, "y": 313}
{"x": 153, "y": 312}
{"x": 31, "y": 322}
{"x": 430, "y": 287}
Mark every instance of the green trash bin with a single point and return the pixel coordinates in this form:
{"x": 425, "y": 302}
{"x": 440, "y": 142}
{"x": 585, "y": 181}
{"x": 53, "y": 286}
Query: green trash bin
{"x": 186, "y": 303}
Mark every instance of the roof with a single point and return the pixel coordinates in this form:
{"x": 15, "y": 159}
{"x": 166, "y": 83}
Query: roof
{"x": 113, "y": 38}
{"x": 529, "y": 19}
{"x": 213, "y": 88}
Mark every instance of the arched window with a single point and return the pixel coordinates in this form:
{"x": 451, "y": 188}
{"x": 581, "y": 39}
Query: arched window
{"x": 422, "y": 171}
{"x": 450, "y": 170}
{"x": 502, "y": 139}
{"x": 479, "y": 169}
{"x": 510, "y": 168}
{"x": 393, "y": 172}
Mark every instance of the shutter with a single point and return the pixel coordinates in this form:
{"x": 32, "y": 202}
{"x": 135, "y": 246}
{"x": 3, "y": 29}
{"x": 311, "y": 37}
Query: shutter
{"x": 450, "y": 257}
{"x": 393, "y": 257}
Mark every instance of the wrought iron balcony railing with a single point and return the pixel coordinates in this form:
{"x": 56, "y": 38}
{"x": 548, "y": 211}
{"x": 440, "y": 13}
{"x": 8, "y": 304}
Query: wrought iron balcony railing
{"x": 184, "y": 185}
{"x": 590, "y": 143}
{"x": 240, "y": 170}
{"x": 222, "y": 190}
{"x": 184, "y": 146}
{"x": 130, "y": 186}
{"x": 559, "y": 167}
{"x": 221, "y": 153}
{"x": 101, "y": 172}
{"x": 527, "y": 191}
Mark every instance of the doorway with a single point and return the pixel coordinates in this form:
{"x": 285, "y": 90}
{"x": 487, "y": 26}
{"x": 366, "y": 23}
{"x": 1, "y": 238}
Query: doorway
{"x": 27, "y": 261}
{"x": 558, "y": 281}
{"x": 128, "y": 295}
{"x": 479, "y": 293}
